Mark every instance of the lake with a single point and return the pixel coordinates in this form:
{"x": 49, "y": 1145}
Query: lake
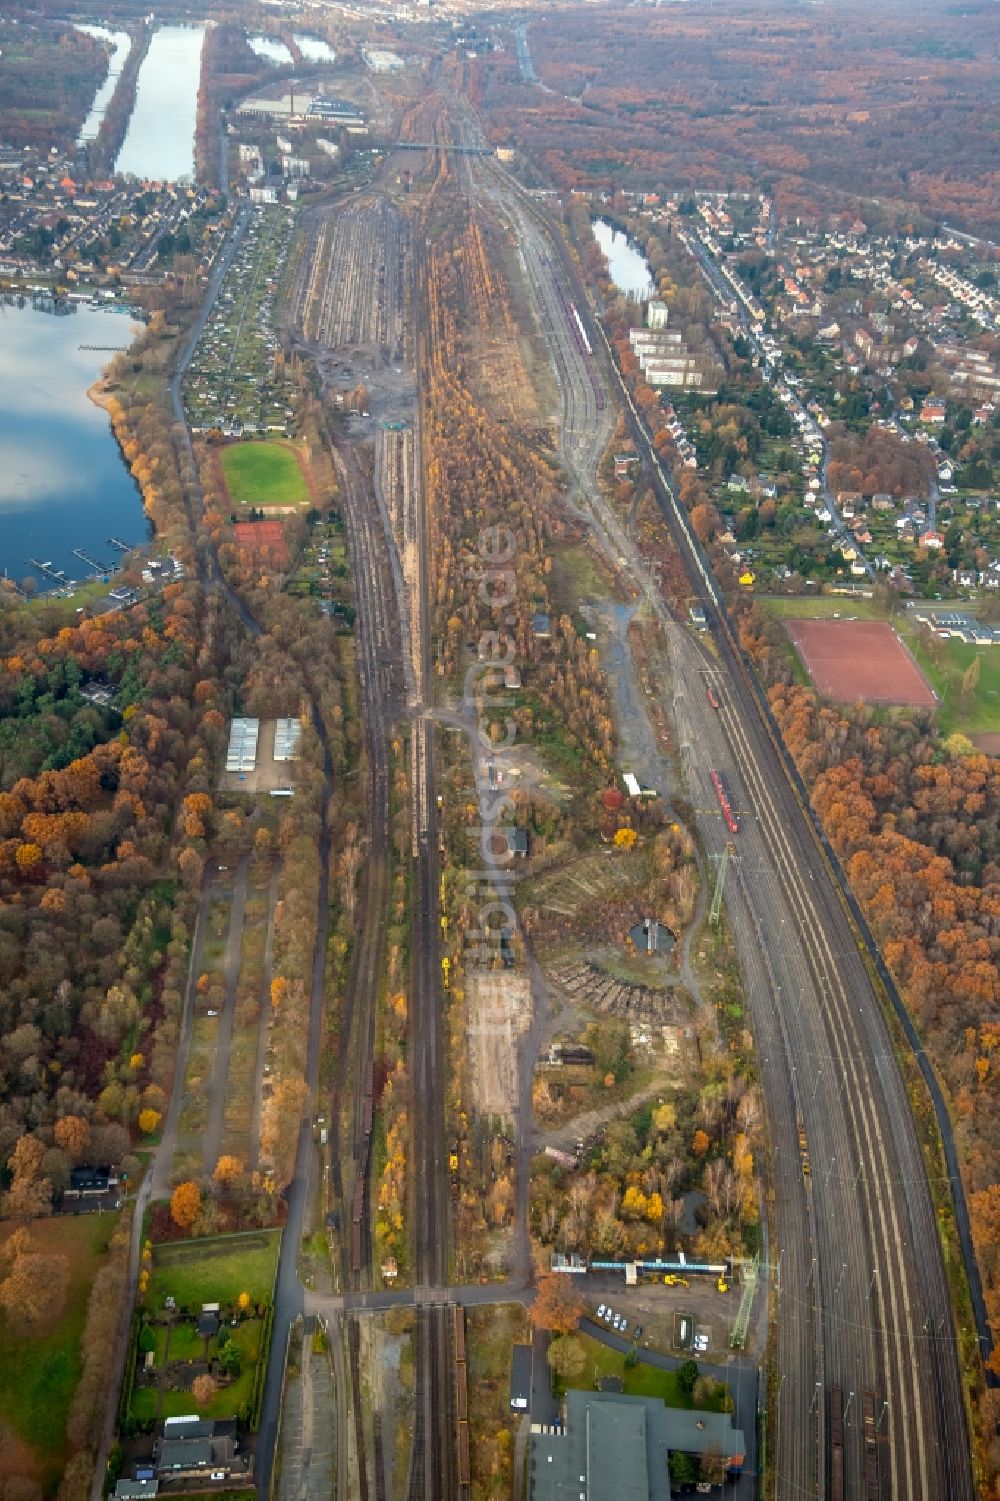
{"x": 270, "y": 48}
{"x": 119, "y": 42}
{"x": 628, "y": 267}
{"x": 63, "y": 483}
{"x": 159, "y": 142}
{"x": 314, "y": 49}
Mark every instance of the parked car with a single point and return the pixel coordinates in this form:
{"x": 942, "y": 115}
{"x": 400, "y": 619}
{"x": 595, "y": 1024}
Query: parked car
{"x": 621, "y": 1323}
{"x": 601, "y": 1310}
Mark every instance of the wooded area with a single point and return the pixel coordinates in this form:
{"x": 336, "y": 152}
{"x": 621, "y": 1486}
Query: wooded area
{"x": 897, "y": 105}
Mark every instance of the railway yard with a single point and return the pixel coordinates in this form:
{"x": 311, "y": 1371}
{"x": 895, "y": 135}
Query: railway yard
{"x": 864, "y": 1386}
{"x": 501, "y": 1041}
{"x": 858, "y": 1275}
{"x": 352, "y": 296}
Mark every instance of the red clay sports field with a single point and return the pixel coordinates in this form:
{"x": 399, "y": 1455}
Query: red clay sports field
{"x": 860, "y": 659}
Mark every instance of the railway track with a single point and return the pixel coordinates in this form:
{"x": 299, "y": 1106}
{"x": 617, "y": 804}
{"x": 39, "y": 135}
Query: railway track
{"x": 379, "y": 647}
{"x": 354, "y": 298}
{"x": 341, "y": 294}
{"x": 433, "y": 1468}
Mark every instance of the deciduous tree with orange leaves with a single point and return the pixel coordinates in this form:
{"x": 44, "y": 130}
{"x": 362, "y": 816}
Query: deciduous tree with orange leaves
{"x": 185, "y": 1204}
{"x": 558, "y": 1306}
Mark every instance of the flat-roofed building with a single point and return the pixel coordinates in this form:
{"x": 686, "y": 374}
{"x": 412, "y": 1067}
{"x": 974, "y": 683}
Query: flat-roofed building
{"x": 287, "y": 736}
{"x": 242, "y": 752}
{"x": 617, "y": 1448}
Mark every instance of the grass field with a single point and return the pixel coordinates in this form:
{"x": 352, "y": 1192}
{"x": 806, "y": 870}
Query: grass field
{"x": 39, "y": 1371}
{"x": 639, "y": 1381}
{"x": 214, "y": 1270}
{"x": 980, "y": 713}
{"x": 87, "y": 594}
{"x": 264, "y": 474}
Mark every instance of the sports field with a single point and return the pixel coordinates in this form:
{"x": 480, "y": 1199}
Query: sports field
{"x": 263, "y": 474}
{"x": 851, "y": 660}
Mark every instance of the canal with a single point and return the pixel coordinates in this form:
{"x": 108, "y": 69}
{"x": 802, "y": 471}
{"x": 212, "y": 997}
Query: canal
{"x": 118, "y": 43}
{"x": 63, "y": 484}
{"x": 159, "y": 142}
{"x": 628, "y": 267}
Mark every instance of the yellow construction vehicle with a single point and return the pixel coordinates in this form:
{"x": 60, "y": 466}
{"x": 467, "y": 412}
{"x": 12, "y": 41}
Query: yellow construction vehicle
{"x": 673, "y": 1280}
{"x": 722, "y": 1285}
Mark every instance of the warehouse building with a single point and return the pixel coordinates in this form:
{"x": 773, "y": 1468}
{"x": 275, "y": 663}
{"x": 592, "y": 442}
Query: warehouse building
{"x": 287, "y": 735}
{"x": 242, "y": 753}
{"x": 617, "y": 1448}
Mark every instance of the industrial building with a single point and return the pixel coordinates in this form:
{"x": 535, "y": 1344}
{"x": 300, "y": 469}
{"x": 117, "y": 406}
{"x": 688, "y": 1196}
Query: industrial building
{"x": 284, "y": 106}
{"x": 337, "y": 112}
{"x": 242, "y": 753}
{"x": 379, "y": 60}
{"x": 617, "y": 1448}
{"x": 287, "y": 735}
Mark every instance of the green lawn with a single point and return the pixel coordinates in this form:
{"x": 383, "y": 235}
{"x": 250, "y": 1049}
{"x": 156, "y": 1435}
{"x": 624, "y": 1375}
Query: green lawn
{"x": 39, "y": 1371}
{"x": 980, "y": 713}
{"x": 86, "y": 594}
{"x": 824, "y": 607}
{"x": 640, "y": 1381}
{"x": 214, "y": 1270}
{"x": 185, "y": 1344}
{"x": 264, "y": 474}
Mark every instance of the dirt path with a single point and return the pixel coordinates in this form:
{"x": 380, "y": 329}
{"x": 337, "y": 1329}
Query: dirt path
{"x": 160, "y": 1180}
{"x": 265, "y": 1010}
{"x": 565, "y": 1137}
{"x": 224, "y": 1043}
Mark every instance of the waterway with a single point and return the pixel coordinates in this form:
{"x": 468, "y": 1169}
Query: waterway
{"x": 314, "y": 49}
{"x": 119, "y": 42}
{"x": 267, "y": 47}
{"x": 63, "y": 483}
{"x": 628, "y": 266}
{"x": 159, "y": 142}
